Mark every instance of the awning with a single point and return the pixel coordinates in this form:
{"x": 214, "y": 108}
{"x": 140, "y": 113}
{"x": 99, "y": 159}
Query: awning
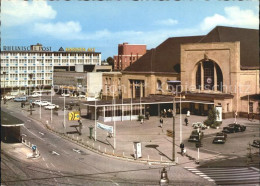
{"x": 8, "y": 120}
{"x": 173, "y": 81}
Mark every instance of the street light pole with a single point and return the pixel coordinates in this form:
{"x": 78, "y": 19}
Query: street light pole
{"x": 114, "y": 121}
{"x": 51, "y": 103}
{"x": 173, "y": 129}
{"x": 64, "y": 121}
{"x": 180, "y": 122}
{"x": 95, "y": 119}
{"x": 40, "y": 107}
{"x": 4, "y": 73}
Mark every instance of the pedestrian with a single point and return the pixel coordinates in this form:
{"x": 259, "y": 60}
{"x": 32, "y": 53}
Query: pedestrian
{"x": 188, "y": 113}
{"x": 161, "y": 122}
{"x": 142, "y": 121}
{"x": 186, "y": 121}
{"x": 164, "y": 113}
{"x": 253, "y": 116}
{"x": 182, "y": 148}
{"x": 33, "y": 104}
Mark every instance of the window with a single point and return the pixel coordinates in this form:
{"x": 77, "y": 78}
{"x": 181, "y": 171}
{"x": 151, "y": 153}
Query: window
{"x": 159, "y": 85}
{"x": 227, "y": 107}
{"x": 251, "y": 107}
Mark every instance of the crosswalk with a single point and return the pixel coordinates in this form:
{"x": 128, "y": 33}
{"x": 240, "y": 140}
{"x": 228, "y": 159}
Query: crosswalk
{"x": 228, "y": 175}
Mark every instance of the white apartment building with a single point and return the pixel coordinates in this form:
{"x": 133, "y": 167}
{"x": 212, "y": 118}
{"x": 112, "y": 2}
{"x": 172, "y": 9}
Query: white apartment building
{"x": 22, "y": 68}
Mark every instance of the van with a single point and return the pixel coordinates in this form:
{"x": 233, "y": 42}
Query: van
{"x": 20, "y": 99}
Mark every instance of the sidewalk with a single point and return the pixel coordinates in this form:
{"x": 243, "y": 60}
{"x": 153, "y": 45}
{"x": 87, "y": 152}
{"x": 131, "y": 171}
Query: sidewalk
{"x": 156, "y": 145}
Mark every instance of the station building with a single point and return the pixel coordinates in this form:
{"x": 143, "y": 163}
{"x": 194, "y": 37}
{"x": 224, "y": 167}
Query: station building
{"x": 24, "y": 67}
{"x": 219, "y": 69}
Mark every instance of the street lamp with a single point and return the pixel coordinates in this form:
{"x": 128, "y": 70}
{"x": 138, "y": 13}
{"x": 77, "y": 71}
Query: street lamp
{"x": 51, "y": 103}
{"x": 64, "y": 121}
{"x": 4, "y": 73}
{"x": 173, "y": 128}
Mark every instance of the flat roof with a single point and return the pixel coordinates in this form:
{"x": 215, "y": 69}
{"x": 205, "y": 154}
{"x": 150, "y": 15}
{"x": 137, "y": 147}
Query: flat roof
{"x": 152, "y": 99}
{"x": 8, "y": 120}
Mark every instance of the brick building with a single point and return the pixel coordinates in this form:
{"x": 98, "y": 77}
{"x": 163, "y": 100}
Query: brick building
{"x": 128, "y": 54}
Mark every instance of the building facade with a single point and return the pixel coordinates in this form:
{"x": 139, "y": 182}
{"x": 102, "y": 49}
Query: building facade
{"x": 23, "y": 67}
{"x": 127, "y": 55}
{"x": 219, "y": 69}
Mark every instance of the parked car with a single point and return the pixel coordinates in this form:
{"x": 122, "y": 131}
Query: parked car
{"x": 219, "y": 139}
{"x": 228, "y": 130}
{"x": 20, "y": 99}
{"x": 81, "y": 96}
{"x": 256, "y": 143}
{"x": 199, "y": 125}
{"x": 65, "y": 95}
{"x": 195, "y": 136}
{"x": 237, "y": 127}
{"x": 51, "y": 106}
{"x": 36, "y": 95}
{"x": 222, "y": 134}
{"x": 8, "y": 97}
{"x": 44, "y": 103}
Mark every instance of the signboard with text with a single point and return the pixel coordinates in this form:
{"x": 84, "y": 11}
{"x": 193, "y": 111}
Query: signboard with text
{"x": 105, "y": 127}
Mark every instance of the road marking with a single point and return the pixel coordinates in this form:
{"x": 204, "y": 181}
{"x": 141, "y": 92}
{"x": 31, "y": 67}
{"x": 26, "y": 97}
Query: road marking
{"x": 52, "y": 165}
{"x": 76, "y": 150}
{"x": 53, "y": 152}
{"x": 33, "y": 133}
{"x": 47, "y": 165}
{"x": 43, "y": 159}
{"x": 41, "y": 133}
{"x": 28, "y": 120}
{"x": 255, "y": 169}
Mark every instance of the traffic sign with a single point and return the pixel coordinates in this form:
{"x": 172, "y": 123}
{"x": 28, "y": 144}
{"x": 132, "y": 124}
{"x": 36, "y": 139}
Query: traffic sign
{"x": 74, "y": 115}
{"x": 34, "y": 147}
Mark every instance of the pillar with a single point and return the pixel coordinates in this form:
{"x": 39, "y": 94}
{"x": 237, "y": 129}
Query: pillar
{"x": 202, "y": 75}
{"x": 215, "y": 78}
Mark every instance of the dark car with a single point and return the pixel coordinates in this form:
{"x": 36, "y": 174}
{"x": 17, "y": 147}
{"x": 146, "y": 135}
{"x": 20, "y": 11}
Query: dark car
{"x": 195, "y": 136}
{"x": 219, "y": 139}
{"x": 256, "y": 143}
{"x": 237, "y": 127}
{"x": 228, "y": 130}
{"x": 222, "y": 134}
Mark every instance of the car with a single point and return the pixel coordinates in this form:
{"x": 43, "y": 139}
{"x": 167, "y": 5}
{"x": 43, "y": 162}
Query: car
{"x": 222, "y": 134}
{"x": 74, "y": 103}
{"x": 237, "y": 127}
{"x": 256, "y": 143}
{"x": 219, "y": 139}
{"x": 65, "y": 95}
{"x": 35, "y": 95}
{"x": 195, "y": 136}
{"x": 199, "y": 125}
{"x": 44, "y": 103}
{"x": 82, "y": 96}
{"x": 51, "y": 106}
{"x": 8, "y": 97}
{"x": 20, "y": 99}
{"x": 228, "y": 130}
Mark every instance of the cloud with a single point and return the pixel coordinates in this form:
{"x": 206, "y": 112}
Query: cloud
{"x": 20, "y": 12}
{"x": 60, "y": 30}
{"x": 167, "y": 22}
{"x": 234, "y": 16}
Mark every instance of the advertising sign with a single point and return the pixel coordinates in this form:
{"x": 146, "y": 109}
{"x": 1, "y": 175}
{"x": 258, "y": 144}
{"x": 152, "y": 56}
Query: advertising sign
{"x": 219, "y": 113}
{"x": 137, "y": 150}
{"x": 75, "y": 115}
{"x": 105, "y": 127}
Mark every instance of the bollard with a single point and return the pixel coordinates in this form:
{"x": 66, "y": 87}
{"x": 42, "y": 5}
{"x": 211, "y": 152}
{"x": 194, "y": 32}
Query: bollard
{"x": 29, "y": 144}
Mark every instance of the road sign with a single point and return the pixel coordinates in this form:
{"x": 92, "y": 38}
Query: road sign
{"x": 75, "y": 115}
{"x": 34, "y": 147}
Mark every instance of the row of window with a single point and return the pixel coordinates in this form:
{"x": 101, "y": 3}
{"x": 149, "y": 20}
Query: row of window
{"x": 50, "y": 54}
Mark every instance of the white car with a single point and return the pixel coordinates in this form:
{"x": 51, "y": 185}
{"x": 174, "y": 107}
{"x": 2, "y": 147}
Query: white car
{"x": 51, "y": 106}
{"x": 9, "y": 97}
{"x": 81, "y": 96}
{"x": 36, "y": 102}
{"x": 65, "y": 95}
{"x": 35, "y": 95}
{"x": 44, "y": 103}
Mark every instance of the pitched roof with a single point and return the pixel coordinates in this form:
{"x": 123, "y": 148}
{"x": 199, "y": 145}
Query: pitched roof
{"x": 249, "y": 43}
{"x": 163, "y": 58}
{"x": 166, "y": 57}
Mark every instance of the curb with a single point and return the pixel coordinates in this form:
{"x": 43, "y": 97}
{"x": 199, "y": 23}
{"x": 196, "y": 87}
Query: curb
{"x": 116, "y": 156}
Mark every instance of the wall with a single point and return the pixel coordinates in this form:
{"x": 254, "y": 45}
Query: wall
{"x": 94, "y": 83}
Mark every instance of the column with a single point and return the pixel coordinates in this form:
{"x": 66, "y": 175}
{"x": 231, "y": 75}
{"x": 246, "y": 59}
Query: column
{"x": 215, "y": 78}
{"x": 133, "y": 89}
{"x": 202, "y": 75}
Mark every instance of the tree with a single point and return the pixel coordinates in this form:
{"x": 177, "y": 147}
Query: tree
{"x": 110, "y": 61}
{"x": 212, "y": 117}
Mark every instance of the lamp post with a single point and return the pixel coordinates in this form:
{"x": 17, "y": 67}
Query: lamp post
{"x": 95, "y": 119}
{"x": 64, "y": 121}
{"x": 51, "y": 103}
{"x": 173, "y": 128}
{"x": 30, "y": 77}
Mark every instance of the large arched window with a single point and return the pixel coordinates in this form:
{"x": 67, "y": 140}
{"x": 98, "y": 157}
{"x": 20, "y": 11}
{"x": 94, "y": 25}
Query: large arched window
{"x": 209, "y": 76}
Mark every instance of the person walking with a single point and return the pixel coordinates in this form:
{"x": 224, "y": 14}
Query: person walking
{"x": 186, "y": 121}
{"x": 182, "y": 148}
{"x": 161, "y": 122}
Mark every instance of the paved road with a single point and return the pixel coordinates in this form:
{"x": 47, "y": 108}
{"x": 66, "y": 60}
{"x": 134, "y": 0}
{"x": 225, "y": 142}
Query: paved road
{"x": 65, "y": 163}
{"x": 229, "y": 175}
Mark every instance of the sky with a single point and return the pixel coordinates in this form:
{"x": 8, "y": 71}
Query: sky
{"x": 105, "y": 24}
